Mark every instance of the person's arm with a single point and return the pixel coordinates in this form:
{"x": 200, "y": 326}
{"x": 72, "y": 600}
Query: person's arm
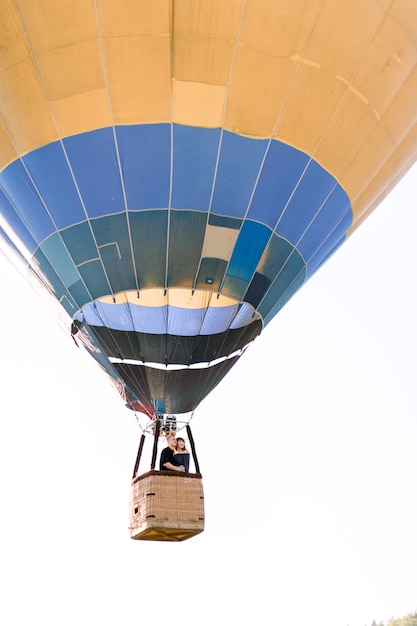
{"x": 171, "y": 466}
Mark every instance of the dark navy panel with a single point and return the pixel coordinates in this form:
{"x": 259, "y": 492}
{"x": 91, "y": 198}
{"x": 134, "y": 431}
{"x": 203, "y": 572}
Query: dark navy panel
{"x": 257, "y": 289}
{"x": 80, "y": 242}
{"x": 194, "y": 161}
{"x": 239, "y": 164}
{"x": 335, "y": 214}
{"x": 16, "y": 224}
{"x": 182, "y": 390}
{"x": 145, "y": 155}
{"x": 174, "y": 349}
{"x": 112, "y": 237}
{"x": 314, "y": 188}
{"x": 249, "y": 248}
{"x": 94, "y": 162}
{"x": 95, "y": 279}
{"x": 186, "y": 236}
{"x": 280, "y": 174}
{"x": 225, "y": 222}
{"x": 49, "y": 169}
{"x": 24, "y": 198}
{"x": 149, "y": 239}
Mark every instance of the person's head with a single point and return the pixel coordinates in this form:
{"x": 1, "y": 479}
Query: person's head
{"x": 180, "y": 443}
{"x": 171, "y": 441}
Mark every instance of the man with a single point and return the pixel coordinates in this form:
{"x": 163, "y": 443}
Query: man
{"x": 167, "y": 460}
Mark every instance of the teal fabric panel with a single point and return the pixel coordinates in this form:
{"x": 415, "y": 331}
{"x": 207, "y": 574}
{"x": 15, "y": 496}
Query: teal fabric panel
{"x": 149, "y": 232}
{"x": 186, "y": 236}
{"x": 59, "y": 258}
{"x": 80, "y": 242}
{"x": 115, "y": 250}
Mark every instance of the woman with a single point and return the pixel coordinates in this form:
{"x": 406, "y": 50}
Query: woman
{"x": 181, "y": 454}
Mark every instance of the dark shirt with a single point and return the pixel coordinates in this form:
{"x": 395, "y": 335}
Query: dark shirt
{"x": 167, "y": 456}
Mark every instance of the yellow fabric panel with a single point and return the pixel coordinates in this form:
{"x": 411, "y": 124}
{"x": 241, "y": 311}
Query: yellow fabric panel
{"x": 202, "y": 61}
{"x": 50, "y": 24}
{"x": 219, "y": 242}
{"x": 336, "y": 43}
{"x": 82, "y": 112}
{"x": 13, "y": 48}
{"x": 278, "y": 28}
{"x": 181, "y": 298}
{"x": 7, "y": 150}
{"x": 71, "y": 69}
{"x": 258, "y": 86}
{"x": 209, "y": 19}
{"x": 388, "y": 63}
{"x": 378, "y": 148}
{"x": 139, "y": 78}
{"x": 24, "y": 110}
{"x": 383, "y": 181}
{"x": 138, "y": 17}
{"x": 309, "y": 107}
{"x": 148, "y": 297}
{"x": 186, "y": 299}
{"x": 198, "y": 104}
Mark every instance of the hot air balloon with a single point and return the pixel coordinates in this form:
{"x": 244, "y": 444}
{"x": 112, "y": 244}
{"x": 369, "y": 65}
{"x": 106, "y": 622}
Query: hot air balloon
{"x": 173, "y": 172}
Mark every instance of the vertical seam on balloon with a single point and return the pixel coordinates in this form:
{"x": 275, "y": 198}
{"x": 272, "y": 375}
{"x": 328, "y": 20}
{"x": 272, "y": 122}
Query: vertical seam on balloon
{"x": 116, "y": 145}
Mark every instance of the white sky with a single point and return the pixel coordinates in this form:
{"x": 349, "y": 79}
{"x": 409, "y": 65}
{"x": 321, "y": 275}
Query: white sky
{"x": 307, "y": 448}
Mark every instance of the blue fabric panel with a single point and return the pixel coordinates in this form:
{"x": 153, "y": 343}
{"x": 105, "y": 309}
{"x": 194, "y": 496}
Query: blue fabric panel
{"x": 218, "y": 320}
{"x": 145, "y": 154}
{"x": 194, "y": 161}
{"x": 16, "y": 224}
{"x": 281, "y": 171}
{"x": 59, "y": 258}
{"x": 186, "y": 322}
{"x": 94, "y": 279}
{"x": 326, "y": 250}
{"x": 112, "y": 237}
{"x": 80, "y": 242}
{"x": 94, "y": 162}
{"x": 49, "y": 169}
{"x": 116, "y": 316}
{"x": 152, "y": 320}
{"x": 334, "y": 218}
{"x": 91, "y": 316}
{"x": 24, "y": 198}
{"x": 149, "y": 239}
{"x": 309, "y": 196}
{"x": 244, "y": 316}
{"x": 239, "y": 164}
{"x": 249, "y": 248}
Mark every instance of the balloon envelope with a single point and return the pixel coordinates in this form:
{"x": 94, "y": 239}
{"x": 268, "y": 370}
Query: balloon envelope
{"x": 174, "y": 172}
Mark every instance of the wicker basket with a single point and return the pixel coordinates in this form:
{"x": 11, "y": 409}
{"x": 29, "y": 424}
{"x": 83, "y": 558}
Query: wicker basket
{"x": 166, "y": 506}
